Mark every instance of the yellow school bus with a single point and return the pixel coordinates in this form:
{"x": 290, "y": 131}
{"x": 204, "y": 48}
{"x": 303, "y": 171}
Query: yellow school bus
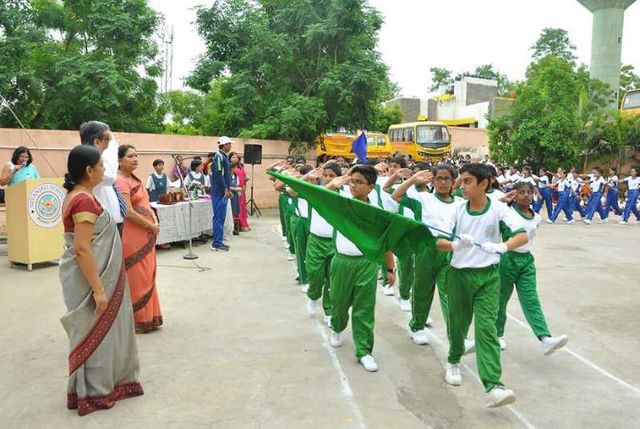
{"x": 630, "y": 107}
{"x": 339, "y": 144}
{"x": 420, "y": 140}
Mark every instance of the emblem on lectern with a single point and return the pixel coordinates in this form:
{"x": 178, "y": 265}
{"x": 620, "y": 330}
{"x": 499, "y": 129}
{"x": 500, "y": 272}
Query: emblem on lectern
{"x": 45, "y": 205}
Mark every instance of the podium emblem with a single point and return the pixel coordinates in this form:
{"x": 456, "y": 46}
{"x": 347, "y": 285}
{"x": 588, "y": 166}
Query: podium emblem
{"x": 45, "y": 205}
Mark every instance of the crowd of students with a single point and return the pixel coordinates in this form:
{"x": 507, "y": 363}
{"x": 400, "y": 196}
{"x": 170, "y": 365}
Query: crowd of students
{"x": 495, "y": 215}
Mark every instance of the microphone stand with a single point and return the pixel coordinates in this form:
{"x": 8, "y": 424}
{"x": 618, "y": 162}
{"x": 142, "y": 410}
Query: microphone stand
{"x": 190, "y": 255}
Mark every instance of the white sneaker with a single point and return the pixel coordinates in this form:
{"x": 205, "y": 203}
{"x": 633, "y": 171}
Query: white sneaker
{"x": 469, "y": 346}
{"x": 550, "y": 221}
{"x": 369, "y": 363}
{"x": 551, "y": 344}
{"x": 587, "y": 221}
{"x": 499, "y": 396}
{"x": 503, "y": 343}
{"x": 405, "y": 305}
{"x": 304, "y": 288}
{"x": 603, "y": 220}
{"x": 327, "y": 321}
{"x": 429, "y": 321}
{"x": 623, "y": 222}
{"x": 636, "y": 222}
{"x": 452, "y": 376}
{"x": 388, "y": 290}
{"x": 311, "y": 306}
{"x": 570, "y": 222}
{"x": 284, "y": 238}
{"x": 291, "y": 258}
{"x": 420, "y": 337}
{"x": 335, "y": 339}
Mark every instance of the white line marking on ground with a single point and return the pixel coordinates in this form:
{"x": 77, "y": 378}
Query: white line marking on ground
{"x": 586, "y": 361}
{"x": 525, "y": 422}
{"x": 344, "y": 381}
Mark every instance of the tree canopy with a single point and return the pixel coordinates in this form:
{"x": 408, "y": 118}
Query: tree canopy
{"x": 291, "y": 70}
{"x": 66, "y": 62}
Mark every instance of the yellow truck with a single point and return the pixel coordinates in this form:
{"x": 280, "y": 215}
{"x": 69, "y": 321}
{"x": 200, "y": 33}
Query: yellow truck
{"x": 630, "y": 106}
{"x": 339, "y": 144}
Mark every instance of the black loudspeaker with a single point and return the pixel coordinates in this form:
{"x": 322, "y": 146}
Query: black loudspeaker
{"x": 253, "y": 154}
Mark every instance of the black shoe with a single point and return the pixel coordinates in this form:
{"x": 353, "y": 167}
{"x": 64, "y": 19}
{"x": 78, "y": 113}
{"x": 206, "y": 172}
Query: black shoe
{"x": 236, "y": 232}
{"x": 222, "y": 248}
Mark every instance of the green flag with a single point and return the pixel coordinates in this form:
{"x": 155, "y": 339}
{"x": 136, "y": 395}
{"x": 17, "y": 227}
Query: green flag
{"x": 373, "y": 230}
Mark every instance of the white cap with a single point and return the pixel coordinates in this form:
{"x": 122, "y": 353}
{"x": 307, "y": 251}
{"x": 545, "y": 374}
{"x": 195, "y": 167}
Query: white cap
{"x": 224, "y": 140}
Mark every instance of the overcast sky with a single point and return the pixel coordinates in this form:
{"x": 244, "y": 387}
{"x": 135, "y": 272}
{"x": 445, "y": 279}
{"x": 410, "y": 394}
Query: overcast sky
{"x": 455, "y": 34}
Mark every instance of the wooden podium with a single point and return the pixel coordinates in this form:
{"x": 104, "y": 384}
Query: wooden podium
{"x": 34, "y": 221}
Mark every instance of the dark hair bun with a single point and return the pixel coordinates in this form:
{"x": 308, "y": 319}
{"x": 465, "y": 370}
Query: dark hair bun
{"x": 68, "y": 182}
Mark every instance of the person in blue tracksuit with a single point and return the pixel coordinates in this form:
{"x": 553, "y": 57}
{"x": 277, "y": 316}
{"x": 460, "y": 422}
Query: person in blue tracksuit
{"x": 612, "y": 195}
{"x": 594, "y": 205}
{"x": 220, "y": 191}
{"x": 575, "y": 197}
{"x": 565, "y": 202}
{"x": 633, "y": 184}
{"x": 546, "y": 194}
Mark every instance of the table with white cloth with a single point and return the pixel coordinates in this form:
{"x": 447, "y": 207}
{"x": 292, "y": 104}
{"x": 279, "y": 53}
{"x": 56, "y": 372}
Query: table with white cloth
{"x": 174, "y": 220}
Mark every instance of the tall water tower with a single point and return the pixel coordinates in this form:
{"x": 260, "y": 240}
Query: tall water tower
{"x": 606, "y": 42}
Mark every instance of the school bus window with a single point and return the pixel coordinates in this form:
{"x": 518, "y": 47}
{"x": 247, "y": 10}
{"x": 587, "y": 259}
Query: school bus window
{"x": 631, "y": 101}
{"x": 371, "y": 141}
{"x": 381, "y": 141}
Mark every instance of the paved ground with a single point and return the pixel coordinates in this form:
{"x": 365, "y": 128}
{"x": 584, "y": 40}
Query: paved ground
{"x": 239, "y": 351}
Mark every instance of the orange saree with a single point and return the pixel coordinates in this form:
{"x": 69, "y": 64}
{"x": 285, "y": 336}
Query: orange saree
{"x": 139, "y": 248}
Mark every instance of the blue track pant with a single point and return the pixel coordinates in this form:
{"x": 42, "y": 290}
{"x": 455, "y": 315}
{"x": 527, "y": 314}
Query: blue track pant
{"x": 219, "y": 213}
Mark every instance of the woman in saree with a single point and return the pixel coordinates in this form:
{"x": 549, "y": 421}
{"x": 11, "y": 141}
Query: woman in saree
{"x": 20, "y": 168}
{"x": 238, "y": 167}
{"x": 139, "y": 246}
{"x": 103, "y": 357}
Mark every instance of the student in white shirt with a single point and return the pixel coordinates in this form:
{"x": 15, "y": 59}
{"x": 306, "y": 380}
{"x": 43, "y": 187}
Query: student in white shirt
{"x": 517, "y": 268}
{"x": 98, "y": 134}
{"x": 432, "y": 266}
{"x": 546, "y": 196}
{"x": 633, "y": 184}
{"x": 354, "y": 277}
{"x": 320, "y": 249}
{"x": 596, "y": 184}
{"x": 299, "y": 224}
{"x": 565, "y": 201}
{"x": 196, "y": 178}
{"x": 612, "y": 195}
{"x": 157, "y": 182}
{"x": 474, "y": 280}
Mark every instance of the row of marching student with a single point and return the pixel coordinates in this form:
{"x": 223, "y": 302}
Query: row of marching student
{"x": 475, "y": 269}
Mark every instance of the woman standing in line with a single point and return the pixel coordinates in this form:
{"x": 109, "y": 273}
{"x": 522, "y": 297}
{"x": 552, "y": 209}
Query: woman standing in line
{"x": 140, "y": 230}
{"x": 238, "y": 166}
{"x": 103, "y": 357}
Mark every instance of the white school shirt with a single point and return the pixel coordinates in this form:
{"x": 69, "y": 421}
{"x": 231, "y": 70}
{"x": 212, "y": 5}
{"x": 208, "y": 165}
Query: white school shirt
{"x": 613, "y": 181}
{"x": 482, "y": 226}
{"x": 562, "y": 184}
{"x": 528, "y": 179}
{"x": 632, "y": 183}
{"x": 104, "y": 192}
{"x": 544, "y": 182}
{"x": 502, "y": 178}
{"x": 531, "y": 225}
{"x": 596, "y": 185}
{"x": 151, "y": 185}
{"x": 196, "y": 177}
{"x": 495, "y": 195}
{"x": 392, "y": 206}
{"x": 437, "y": 212}
{"x": 515, "y": 177}
{"x": 303, "y": 208}
{"x": 343, "y": 245}
{"x": 319, "y": 226}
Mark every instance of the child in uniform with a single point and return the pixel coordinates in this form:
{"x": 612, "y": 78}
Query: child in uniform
{"x": 612, "y": 195}
{"x": 633, "y": 183}
{"x": 354, "y": 277}
{"x": 517, "y": 267}
{"x": 545, "y": 194}
{"x": 473, "y": 281}
{"x": 299, "y": 225}
{"x": 596, "y": 184}
{"x": 157, "y": 183}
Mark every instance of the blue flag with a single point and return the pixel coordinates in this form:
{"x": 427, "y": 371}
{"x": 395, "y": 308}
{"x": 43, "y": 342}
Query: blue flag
{"x": 359, "y": 147}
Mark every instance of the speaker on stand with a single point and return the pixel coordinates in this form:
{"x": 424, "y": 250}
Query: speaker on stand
{"x": 253, "y": 156}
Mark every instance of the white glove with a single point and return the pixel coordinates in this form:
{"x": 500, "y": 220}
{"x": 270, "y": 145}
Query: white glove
{"x": 464, "y": 241}
{"x": 491, "y": 247}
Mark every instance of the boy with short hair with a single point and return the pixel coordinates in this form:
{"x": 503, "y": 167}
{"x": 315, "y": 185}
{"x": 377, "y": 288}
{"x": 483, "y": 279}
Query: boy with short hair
{"x": 157, "y": 183}
{"x": 354, "y": 277}
{"x": 474, "y": 281}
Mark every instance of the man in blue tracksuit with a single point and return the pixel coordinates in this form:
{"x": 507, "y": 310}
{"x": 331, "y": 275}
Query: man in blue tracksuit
{"x": 220, "y": 192}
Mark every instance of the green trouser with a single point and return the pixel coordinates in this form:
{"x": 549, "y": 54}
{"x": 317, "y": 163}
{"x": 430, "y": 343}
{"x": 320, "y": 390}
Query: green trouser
{"x": 353, "y": 284}
{"x": 320, "y": 252}
{"x": 431, "y": 268}
{"x": 282, "y": 207}
{"x": 288, "y": 214}
{"x": 474, "y": 294}
{"x": 300, "y": 228}
{"x": 405, "y": 276}
{"x": 520, "y": 269}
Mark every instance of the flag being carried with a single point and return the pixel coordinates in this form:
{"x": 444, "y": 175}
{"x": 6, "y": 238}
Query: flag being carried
{"x": 359, "y": 147}
{"x": 373, "y": 230}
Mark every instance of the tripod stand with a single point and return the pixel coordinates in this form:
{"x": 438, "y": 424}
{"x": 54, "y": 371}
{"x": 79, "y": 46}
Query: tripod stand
{"x": 253, "y": 207}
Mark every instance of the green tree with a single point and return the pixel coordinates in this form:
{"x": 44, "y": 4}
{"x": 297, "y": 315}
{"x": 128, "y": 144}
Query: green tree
{"x": 85, "y": 60}
{"x": 290, "y": 70}
{"x": 439, "y": 77}
{"x": 388, "y": 115}
{"x": 554, "y": 41}
{"x": 628, "y": 79}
